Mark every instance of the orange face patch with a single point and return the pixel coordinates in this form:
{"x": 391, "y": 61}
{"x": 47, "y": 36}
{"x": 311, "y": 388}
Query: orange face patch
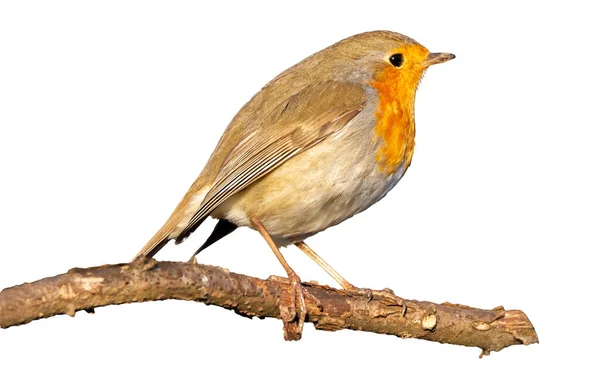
{"x": 395, "y": 116}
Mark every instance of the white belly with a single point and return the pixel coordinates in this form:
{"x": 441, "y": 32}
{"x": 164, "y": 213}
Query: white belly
{"x": 316, "y": 189}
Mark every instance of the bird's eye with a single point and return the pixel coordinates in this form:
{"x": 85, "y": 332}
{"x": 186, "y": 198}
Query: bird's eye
{"x": 397, "y": 60}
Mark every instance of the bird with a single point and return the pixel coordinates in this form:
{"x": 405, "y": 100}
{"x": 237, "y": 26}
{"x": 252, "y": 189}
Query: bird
{"x": 321, "y": 142}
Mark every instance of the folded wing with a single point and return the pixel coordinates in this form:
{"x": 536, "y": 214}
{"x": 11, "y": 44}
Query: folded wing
{"x": 300, "y": 122}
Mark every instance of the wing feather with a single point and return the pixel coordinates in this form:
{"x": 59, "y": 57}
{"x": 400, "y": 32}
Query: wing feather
{"x": 300, "y": 122}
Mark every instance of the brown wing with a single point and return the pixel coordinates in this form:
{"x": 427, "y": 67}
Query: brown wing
{"x": 297, "y": 124}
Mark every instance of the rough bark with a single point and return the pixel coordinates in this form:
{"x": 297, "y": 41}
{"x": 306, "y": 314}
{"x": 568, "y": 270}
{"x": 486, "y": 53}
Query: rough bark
{"x": 328, "y": 309}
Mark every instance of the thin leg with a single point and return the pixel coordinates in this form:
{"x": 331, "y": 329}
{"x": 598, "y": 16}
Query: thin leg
{"x": 325, "y": 266}
{"x": 297, "y": 290}
{"x": 386, "y": 293}
{"x": 265, "y": 234}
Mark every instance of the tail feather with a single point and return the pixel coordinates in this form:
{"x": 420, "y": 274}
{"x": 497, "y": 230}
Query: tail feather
{"x": 157, "y": 242}
{"x": 222, "y": 229}
{"x": 178, "y": 220}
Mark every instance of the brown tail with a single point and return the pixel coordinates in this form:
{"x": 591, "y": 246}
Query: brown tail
{"x": 171, "y": 230}
{"x": 164, "y": 235}
{"x": 158, "y": 241}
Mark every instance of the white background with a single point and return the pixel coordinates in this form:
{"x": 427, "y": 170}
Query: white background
{"x": 108, "y": 111}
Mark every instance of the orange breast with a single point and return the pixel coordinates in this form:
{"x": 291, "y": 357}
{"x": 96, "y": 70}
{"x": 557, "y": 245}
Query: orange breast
{"x": 394, "y": 118}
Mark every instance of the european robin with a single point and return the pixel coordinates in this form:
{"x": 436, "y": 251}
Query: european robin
{"x": 321, "y": 142}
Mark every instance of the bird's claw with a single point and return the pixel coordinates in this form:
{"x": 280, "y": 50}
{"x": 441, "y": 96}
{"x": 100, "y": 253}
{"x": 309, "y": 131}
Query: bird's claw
{"x": 386, "y": 294}
{"x": 143, "y": 263}
{"x": 293, "y": 309}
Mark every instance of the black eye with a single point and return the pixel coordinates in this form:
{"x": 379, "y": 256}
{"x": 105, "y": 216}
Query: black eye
{"x": 397, "y": 60}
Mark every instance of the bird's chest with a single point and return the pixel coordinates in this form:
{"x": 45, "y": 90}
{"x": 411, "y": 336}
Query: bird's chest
{"x": 394, "y": 126}
{"x": 321, "y": 187}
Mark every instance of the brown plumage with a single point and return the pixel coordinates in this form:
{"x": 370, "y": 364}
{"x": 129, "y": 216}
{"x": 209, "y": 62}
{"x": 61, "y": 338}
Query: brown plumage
{"x": 322, "y": 141}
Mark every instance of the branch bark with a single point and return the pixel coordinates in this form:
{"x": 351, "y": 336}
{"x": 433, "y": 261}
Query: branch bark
{"x": 328, "y": 309}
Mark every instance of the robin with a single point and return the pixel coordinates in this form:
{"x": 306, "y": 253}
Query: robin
{"x": 321, "y": 142}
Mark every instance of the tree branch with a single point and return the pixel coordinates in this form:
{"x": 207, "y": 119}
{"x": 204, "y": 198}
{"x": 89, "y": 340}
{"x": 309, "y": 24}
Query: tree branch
{"x": 329, "y": 309}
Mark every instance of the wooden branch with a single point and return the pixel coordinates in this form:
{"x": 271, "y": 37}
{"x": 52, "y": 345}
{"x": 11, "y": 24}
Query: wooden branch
{"x": 329, "y": 309}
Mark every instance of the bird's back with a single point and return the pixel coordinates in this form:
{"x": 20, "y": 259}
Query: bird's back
{"x": 337, "y": 62}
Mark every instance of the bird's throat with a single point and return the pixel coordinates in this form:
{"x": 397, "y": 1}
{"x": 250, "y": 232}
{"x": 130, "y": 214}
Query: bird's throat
{"x": 394, "y": 119}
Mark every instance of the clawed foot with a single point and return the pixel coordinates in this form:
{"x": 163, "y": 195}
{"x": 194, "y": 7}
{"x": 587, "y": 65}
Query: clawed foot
{"x": 385, "y": 294}
{"x": 298, "y": 291}
{"x": 143, "y": 263}
{"x": 293, "y": 308}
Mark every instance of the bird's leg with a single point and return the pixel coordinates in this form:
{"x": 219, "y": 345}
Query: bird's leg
{"x": 325, "y": 266}
{"x": 387, "y": 294}
{"x": 296, "y": 285}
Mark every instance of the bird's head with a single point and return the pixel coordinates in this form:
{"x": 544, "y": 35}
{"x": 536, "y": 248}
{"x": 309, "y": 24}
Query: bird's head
{"x": 380, "y": 56}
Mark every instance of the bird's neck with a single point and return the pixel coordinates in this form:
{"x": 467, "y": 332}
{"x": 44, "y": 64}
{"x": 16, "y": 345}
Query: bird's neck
{"x": 395, "y": 120}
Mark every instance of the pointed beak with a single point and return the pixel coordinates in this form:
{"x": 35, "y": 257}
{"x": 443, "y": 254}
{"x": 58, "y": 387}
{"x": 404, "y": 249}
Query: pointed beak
{"x": 435, "y": 58}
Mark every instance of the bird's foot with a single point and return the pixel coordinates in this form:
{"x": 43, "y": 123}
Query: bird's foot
{"x": 386, "y": 295}
{"x": 143, "y": 263}
{"x": 292, "y": 307}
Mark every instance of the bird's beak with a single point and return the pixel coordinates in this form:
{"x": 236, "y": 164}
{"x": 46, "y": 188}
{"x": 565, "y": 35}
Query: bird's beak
{"x": 435, "y": 58}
